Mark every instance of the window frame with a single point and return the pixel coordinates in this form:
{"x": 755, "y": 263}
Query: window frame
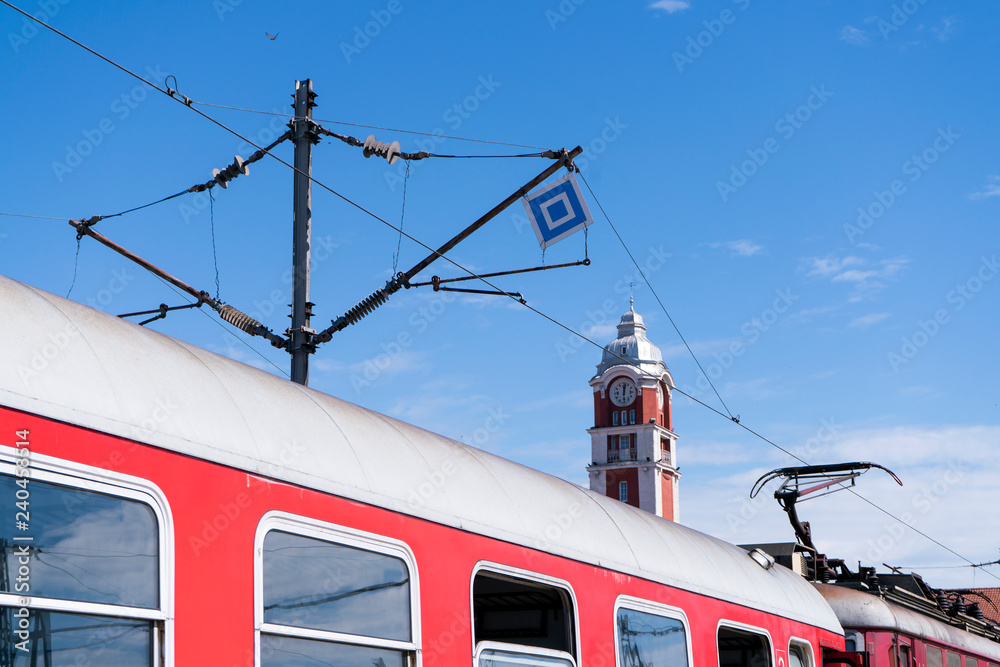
{"x": 286, "y": 522}
{"x": 623, "y": 487}
{"x": 743, "y": 627}
{"x": 802, "y": 643}
{"x": 513, "y": 572}
{"x": 940, "y": 651}
{"x": 519, "y": 648}
{"x": 656, "y": 609}
{"x": 73, "y": 475}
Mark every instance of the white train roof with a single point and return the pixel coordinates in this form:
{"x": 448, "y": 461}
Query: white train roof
{"x": 857, "y": 609}
{"x": 68, "y": 362}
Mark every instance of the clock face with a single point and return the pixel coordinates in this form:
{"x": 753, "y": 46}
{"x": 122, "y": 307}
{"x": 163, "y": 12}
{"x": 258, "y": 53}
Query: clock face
{"x": 622, "y": 392}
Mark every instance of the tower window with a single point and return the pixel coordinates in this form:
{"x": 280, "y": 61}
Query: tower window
{"x": 614, "y": 418}
{"x": 624, "y": 442}
{"x": 624, "y": 413}
{"x": 623, "y": 491}
{"x": 631, "y": 416}
{"x": 623, "y": 350}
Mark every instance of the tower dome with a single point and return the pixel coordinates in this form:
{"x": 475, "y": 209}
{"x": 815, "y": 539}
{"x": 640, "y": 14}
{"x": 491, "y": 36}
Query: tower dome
{"x": 632, "y": 348}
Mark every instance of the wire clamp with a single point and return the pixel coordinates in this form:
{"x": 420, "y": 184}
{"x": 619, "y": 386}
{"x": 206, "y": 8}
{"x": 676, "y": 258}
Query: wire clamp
{"x": 176, "y": 93}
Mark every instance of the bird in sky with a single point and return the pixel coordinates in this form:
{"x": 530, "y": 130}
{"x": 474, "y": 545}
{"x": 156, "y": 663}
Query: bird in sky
{"x": 272, "y": 38}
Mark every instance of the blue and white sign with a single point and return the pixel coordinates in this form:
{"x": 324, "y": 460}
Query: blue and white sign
{"x": 557, "y": 210}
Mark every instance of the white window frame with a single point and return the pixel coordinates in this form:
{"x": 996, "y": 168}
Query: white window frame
{"x": 520, "y": 648}
{"x": 806, "y": 647}
{"x": 335, "y": 534}
{"x": 512, "y": 572}
{"x": 70, "y": 474}
{"x": 753, "y": 629}
{"x": 657, "y": 609}
{"x": 623, "y": 487}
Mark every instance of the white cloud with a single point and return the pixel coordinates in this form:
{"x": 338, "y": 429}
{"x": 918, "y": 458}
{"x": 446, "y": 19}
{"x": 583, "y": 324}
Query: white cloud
{"x": 866, "y": 276}
{"x": 714, "y": 453}
{"x": 829, "y": 266}
{"x": 992, "y": 189}
{"x": 385, "y": 364}
{"x": 853, "y": 35}
{"x": 945, "y": 28}
{"x": 740, "y": 247}
{"x": 601, "y": 332}
{"x": 670, "y": 6}
{"x": 866, "y": 321}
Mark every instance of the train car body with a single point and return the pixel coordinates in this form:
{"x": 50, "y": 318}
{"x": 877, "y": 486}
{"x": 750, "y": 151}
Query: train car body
{"x": 901, "y": 631}
{"x": 166, "y": 506}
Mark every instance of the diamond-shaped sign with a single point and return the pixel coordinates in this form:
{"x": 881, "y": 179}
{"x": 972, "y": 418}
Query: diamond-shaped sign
{"x": 557, "y": 210}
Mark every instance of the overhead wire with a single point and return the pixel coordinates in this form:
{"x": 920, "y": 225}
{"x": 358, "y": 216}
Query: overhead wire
{"x": 948, "y": 567}
{"x": 657, "y": 296}
{"x": 37, "y": 217}
{"x": 139, "y": 208}
{"x": 737, "y": 421}
{"x": 215, "y": 255}
{"x": 222, "y": 326}
{"x": 190, "y": 104}
{"x": 371, "y": 127}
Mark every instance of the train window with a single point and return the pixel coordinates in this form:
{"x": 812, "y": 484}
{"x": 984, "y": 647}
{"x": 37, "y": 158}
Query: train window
{"x": 742, "y": 648}
{"x": 82, "y": 569}
{"x": 491, "y": 654}
{"x": 971, "y": 662}
{"x": 650, "y": 635}
{"x": 515, "y": 614}
{"x": 935, "y": 658}
{"x": 799, "y": 655}
{"x": 954, "y": 659}
{"x": 327, "y": 595}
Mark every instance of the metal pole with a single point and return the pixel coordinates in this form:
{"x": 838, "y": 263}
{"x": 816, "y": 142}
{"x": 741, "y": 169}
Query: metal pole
{"x": 301, "y": 345}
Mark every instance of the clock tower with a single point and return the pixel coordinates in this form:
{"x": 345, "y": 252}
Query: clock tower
{"x": 633, "y": 446}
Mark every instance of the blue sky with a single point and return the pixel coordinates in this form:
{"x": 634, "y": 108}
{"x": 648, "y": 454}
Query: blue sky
{"x": 813, "y": 188}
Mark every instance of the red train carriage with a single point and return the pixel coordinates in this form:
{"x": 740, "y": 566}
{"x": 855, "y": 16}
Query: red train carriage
{"x": 897, "y": 628}
{"x": 163, "y": 505}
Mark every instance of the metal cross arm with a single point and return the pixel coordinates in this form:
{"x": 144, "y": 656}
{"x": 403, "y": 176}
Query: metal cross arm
{"x": 437, "y": 281}
{"x": 234, "y": 316}
{"x": 402, "y": 279}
